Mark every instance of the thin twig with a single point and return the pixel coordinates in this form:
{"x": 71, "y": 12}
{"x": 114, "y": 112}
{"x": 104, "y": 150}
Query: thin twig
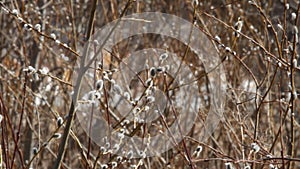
{"x": 64, "y": 140}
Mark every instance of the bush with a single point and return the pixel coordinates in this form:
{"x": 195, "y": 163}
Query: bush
{"x": 42, "y": 44}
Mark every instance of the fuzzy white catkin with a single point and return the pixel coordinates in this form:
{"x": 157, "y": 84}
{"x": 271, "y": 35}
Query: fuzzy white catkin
{"x": 287, "y": 6}
{"x": 218, "y": 39}
{"x": 149, "y": 82}
{"x": 28, "y": 27}
{"x": 152, "y": 71}
{"x": 296, "y": 34}
{"x": 280, "y": 26}
{"x": 57, "y": 135}
{"x": 227, "y": 49}
{"x": 96, "y": 42}
{"x": 37, "y": 101}
{"x": 102, "y": 149}
{"x": 116, "y": 147}
{"x": 247, "y": 167}
{"x": 296, "y": 29}
{"x": 52, "y": 35}
{"x": 199, "y": 148}
{"x": 150, "y": 99}
{"x": 44, "y": 71}
{"x": 99, "y": 84}
{"x": 163, "y": 56}
{"x": 126, "y": 95}
{"x": 228, "y": 165}
{"x": 104, "y": 166}
{"x": 31, "y": 69}
{"x": 295, "y": 94}
{"x": 119, "y": 158}
{"x": 255, "y": 147}
{"x": 59, "y": 121}
{"x": 38, "y": 27}
{"x": 20, "y": 19}
{"x": 114, "y": 164}
{"x": 129, "y": 154}
{"x": 197, "y": 151}
{"x": 238, "y": 26}
{"x": 279, "y": 64}
{"x": 294, "y": 16}
{"x": 295, "y": 63}
{"x": 34, "y": 150}
{"x": 15, "y": 12}
{"x": 271, "y": 166}
{"x": 65, "y": 45}
{"x": 57, "y": 41}
{"x": 146, "y": 108}
{"x": 195, "y": 3}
